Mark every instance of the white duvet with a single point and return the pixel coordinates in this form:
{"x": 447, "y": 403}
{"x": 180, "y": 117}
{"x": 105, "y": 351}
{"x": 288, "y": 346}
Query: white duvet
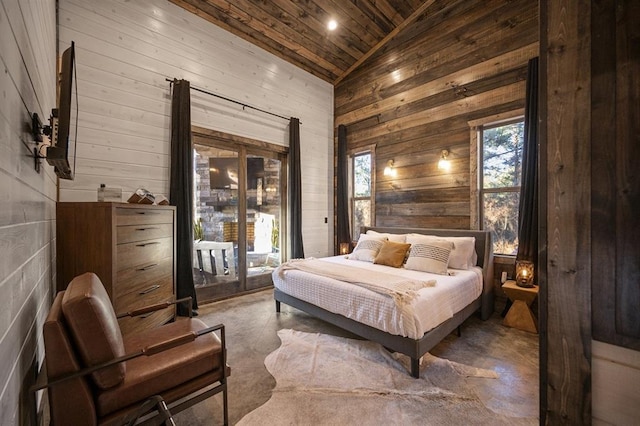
{"x": 433, "y": 305}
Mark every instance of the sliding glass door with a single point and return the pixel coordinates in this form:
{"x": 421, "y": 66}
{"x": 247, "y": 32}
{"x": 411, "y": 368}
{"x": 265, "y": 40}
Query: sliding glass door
{"x": 238, "y": 215}
{"x": 264, "y": 206}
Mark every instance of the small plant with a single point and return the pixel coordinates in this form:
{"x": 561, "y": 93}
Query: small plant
{"x": 198, "y": 230}
{"x": 275, "y": 235}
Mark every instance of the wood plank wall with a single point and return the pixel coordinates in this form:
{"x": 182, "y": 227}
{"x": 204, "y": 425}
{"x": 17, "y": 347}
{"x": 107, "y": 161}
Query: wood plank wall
{"x": 590, "y": 224}
{"x": 464, "y": 61}
{"x": 27, "y": 211}
{"x": 565, "y": 220}
{"x": 615, "y": 223}
{"x": 125, "y": 51}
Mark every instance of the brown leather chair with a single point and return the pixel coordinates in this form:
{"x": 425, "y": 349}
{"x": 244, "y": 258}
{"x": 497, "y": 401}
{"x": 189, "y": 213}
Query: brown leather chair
{"x": 96, "y": 376}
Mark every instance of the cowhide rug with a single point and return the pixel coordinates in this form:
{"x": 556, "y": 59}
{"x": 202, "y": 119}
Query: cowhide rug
{"x": 327, "y": 380}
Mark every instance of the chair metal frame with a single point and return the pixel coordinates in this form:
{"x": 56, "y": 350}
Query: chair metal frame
{"x": 154, "y": 410}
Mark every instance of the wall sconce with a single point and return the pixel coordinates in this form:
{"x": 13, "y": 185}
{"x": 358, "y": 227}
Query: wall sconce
{"x": 444, "y": 164}
{"x": 344, "y": 248}
{"x": 524, "y": 273}
{"x": 389, "y": 170}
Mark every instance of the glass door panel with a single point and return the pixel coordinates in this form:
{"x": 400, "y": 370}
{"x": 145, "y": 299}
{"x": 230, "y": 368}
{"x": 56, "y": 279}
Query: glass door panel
{"x": 264, "y": 214}
{"x": 215, "y": 256}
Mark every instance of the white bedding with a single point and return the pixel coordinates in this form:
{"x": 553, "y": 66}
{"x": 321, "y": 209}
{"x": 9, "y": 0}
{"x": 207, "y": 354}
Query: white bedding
{"x": 433, "y": 305}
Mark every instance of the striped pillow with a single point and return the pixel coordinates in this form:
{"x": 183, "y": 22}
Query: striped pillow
{"x": 430, "y": 256}
{"x": 367, "y": 248}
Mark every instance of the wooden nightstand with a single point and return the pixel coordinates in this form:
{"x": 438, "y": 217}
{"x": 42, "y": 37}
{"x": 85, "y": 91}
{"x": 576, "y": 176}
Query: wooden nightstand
{"x": 520, "y": 315}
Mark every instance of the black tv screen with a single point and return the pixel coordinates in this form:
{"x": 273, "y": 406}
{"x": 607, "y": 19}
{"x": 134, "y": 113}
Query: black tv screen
{"x": 64, "y": 122}
{"x": 255, "y": 171}
{"x": 223, "y": 172}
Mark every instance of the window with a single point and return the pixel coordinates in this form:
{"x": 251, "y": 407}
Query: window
{"x": 500, "y": 168}
{"x": 361, "y": 192}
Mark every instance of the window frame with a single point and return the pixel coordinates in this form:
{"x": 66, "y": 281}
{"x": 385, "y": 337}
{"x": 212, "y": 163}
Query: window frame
{"x": 476, "y": 165}
{"x": 352, "y": 154}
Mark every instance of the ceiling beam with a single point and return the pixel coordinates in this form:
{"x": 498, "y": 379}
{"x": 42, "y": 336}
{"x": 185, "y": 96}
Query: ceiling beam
{"x": 385, "y": 40}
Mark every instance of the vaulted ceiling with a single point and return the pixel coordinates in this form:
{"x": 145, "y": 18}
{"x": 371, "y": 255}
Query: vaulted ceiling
{"x": 296, "y": 30}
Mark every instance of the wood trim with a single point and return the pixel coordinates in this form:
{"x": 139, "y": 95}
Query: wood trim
{"x": 385, "y": 40}
{"x": 474, "y": 190}
{"x": 497, "y": 118}
{"x": 202, "y": 135}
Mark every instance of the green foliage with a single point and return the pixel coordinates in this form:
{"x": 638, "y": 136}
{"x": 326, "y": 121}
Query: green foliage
{"x": 198, "y": 230}
{"x": 275, "y": 234}
{"x": 361, "y": 189}
{"x": 502, "y": 170}
{"x": 362, "y": 175}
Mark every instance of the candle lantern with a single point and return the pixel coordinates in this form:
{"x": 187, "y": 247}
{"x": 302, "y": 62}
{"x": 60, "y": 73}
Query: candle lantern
{"x": 524, "y": 273}
{"x": 344, "y": 248}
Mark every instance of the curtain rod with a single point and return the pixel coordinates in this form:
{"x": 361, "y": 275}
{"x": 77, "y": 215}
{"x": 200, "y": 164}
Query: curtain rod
{"x": 232, "y": 100}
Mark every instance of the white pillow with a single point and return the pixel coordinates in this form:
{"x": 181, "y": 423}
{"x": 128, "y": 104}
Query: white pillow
{"x": 367, "y": 248}
{"x": 396, "y": 238}
{"x": 463, "y": 255}
{"x": 429, "y": 256}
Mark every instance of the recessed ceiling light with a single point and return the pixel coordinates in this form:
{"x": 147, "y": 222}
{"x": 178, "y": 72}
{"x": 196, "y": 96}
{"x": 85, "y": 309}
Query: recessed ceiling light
{"x": 332, "y": 25}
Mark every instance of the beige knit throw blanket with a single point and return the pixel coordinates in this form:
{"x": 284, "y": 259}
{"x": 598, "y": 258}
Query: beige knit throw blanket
{"x": 402, "y": 290}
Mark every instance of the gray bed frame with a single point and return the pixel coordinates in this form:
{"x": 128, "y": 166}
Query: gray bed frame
{"x": 414, "y": 348}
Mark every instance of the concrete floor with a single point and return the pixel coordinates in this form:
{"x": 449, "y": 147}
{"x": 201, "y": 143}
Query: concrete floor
{"x": 251, "y": 324}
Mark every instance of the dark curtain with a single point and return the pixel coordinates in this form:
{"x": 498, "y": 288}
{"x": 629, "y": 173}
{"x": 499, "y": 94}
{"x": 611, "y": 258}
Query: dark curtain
{"x": 295, "y": 190}
{"x": 342, "y": 209}
{"x": 528, "y": 209}
{"x": 181, "y": 189}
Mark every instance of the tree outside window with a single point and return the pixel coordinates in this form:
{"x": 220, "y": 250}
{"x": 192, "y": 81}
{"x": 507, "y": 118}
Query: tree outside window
{"x": 501, "y": 165}
{"x": 361, "y": 192}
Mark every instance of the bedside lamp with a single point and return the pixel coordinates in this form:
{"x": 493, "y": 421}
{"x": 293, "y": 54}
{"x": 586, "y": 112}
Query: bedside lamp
{"x": 524, "y": 273}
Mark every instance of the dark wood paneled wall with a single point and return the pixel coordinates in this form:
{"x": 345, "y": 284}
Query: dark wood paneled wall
{"x": 615, "y": 188}
{"x": 463, "y": 61}
{"x": 564, "y": 256}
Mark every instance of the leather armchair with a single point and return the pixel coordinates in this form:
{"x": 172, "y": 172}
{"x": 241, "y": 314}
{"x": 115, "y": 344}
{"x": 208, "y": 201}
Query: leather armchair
{"x": 97, "y": 376}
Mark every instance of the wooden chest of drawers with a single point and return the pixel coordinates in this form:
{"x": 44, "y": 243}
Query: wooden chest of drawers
{"x": 131, "y": 247}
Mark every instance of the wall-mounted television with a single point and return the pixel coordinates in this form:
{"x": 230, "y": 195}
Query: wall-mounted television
{"x": 64, "y": 120}
{"x": 223, "y": 172}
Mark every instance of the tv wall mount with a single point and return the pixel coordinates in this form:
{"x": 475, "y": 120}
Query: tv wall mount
{"x": 37, "y": 130}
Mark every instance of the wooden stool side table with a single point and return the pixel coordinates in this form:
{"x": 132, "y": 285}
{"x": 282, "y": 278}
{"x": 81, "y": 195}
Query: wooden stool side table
{"x": 520, "y": 315}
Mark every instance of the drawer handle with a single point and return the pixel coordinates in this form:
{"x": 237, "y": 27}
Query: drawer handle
{"x": 144, "y": 316}
{"x": 145, "y": 229}
{"x": 149, "y": 213}
{"x": 147, "y": 244}
{"x": 150, "y": 289}
{"x": 146, "y": 268}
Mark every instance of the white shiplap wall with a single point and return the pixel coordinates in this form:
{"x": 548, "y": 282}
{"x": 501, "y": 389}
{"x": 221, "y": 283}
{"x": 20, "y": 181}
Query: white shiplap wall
{"x": 27, "y": 198}
{"x": 126, "y": 49}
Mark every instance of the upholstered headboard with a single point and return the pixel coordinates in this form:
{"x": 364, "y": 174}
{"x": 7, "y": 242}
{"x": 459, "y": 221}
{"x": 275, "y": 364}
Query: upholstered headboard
{"x": 484, "y": 250}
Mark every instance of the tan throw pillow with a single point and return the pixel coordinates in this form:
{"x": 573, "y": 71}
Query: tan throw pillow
{"x": 392, "y": 254}
{"x": 430, "y": 257}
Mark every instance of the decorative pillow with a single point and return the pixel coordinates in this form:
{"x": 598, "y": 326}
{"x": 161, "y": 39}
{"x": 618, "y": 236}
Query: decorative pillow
{"x": 463, "y": 255}
{"x": 367, "y": 248}
{"x": 392, "y": 254}
{"x": 429, "y": 256}
{"x": 398, "y": 238}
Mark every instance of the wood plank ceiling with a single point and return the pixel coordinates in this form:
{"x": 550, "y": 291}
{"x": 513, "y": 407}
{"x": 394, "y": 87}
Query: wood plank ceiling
{"x": 296, "y": 30}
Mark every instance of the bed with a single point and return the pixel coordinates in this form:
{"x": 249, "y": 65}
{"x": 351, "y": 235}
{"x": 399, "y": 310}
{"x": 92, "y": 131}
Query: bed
{"x": 412, "y": 333}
